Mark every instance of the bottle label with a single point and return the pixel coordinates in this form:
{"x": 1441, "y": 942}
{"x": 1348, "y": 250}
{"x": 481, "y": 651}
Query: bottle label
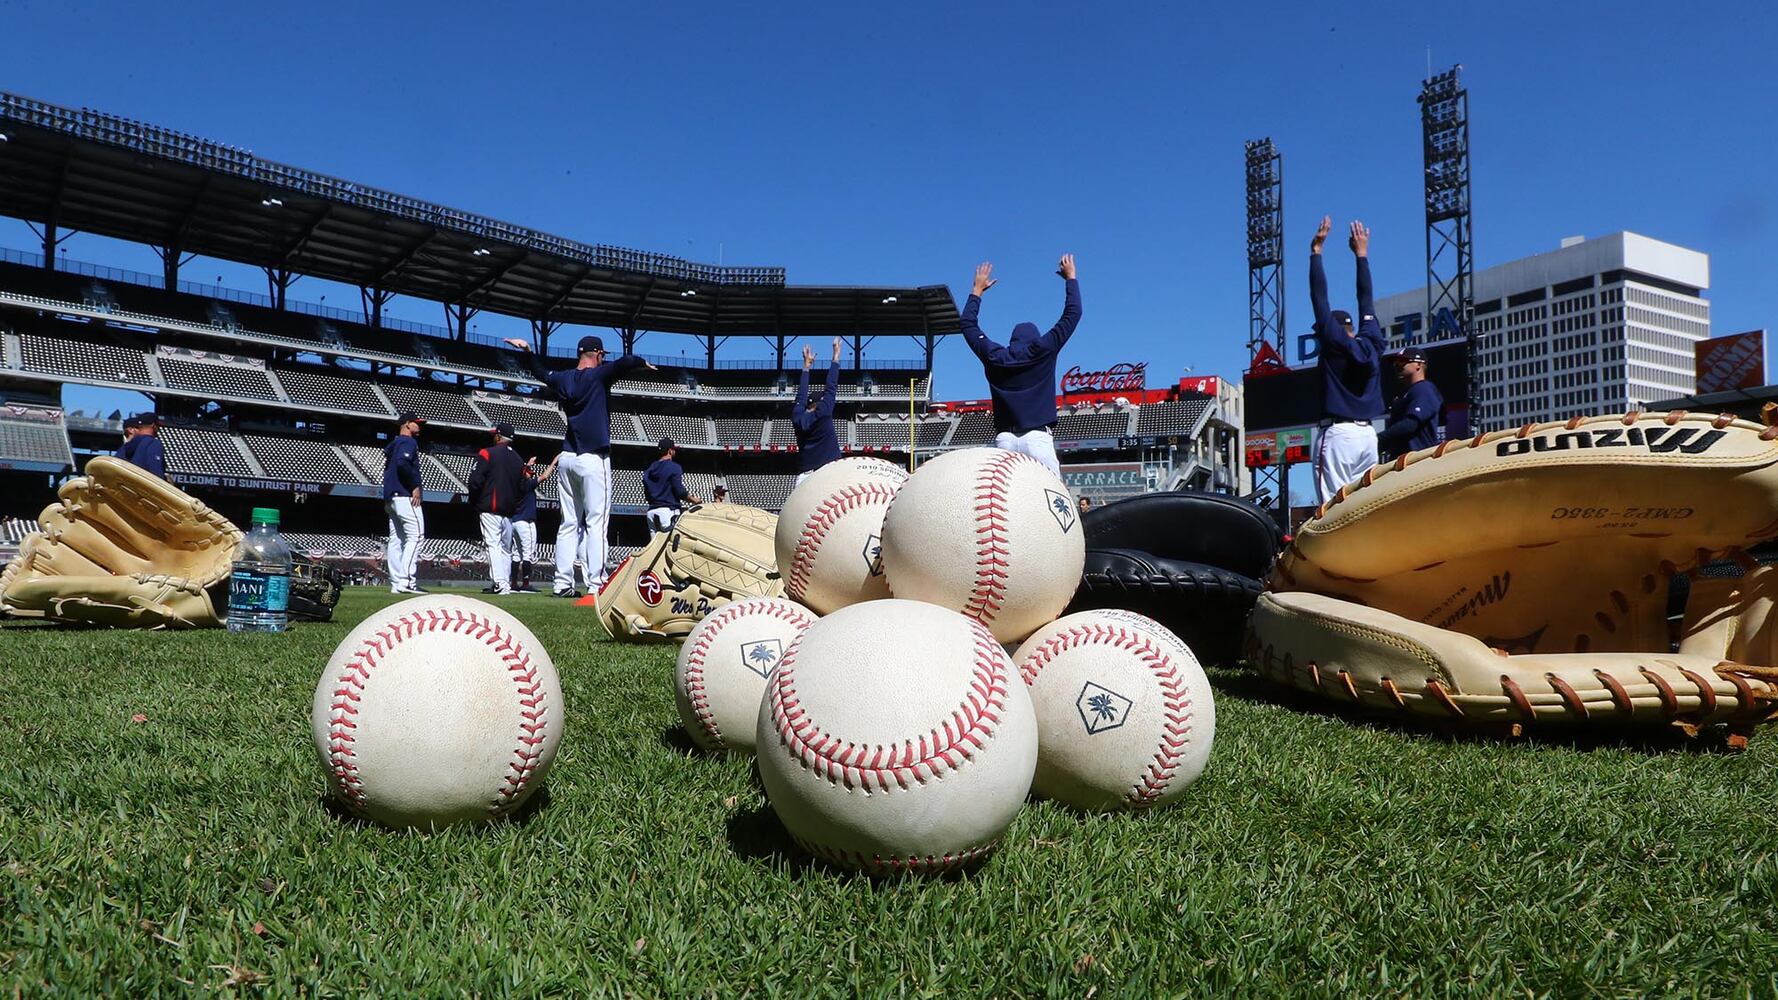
{"x": 251, "y": 590}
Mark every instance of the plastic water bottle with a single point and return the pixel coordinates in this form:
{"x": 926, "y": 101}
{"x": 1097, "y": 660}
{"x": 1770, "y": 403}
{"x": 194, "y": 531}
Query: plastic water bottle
{"x": 259, "y": 588}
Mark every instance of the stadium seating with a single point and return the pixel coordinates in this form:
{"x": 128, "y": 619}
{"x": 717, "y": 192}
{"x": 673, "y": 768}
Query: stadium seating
{"x": 626, "y": 487}
{"x": 730, "y": 431}
{"x": 84, "y": 360}
{"x": 973, "y": 430}
{"x": 203, "y": 452}
{"x": 781, "y": 431}
{"x": 38, "y": 437}
{"x": 370, "y": 460}
{"x": 525, "y": 417}
{"x": 242, "y": 379}
{"x": 1181, "y": 417}
{"x": 445, "y": 471}
{"x": 304, "y": 460}
{"x": 891, "y": 432}
{"x": 767, "y": 492}
{"x": 434, "y": 404}
{"x": 14, "y": 529}
{"x": 685, "y": 431}
{"x": 324, "y": 390}
{"x": 1089, "y": 425}
{"x": 335, "y": 544}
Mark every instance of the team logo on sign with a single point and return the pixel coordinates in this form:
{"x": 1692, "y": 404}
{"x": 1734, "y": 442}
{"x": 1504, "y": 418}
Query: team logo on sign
{"x": 648, "y": 587}
{"x": 873, "y": 554}
{"x": 1062, "y": 508}
{"x": 1101, "y": 708}
{"x": 760, "y": 657}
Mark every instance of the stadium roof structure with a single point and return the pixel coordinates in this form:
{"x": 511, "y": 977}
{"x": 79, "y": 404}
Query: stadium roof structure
{"x": 84, "y": 170}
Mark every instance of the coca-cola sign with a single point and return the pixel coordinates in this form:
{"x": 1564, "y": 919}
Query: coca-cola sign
{"x": 1122, "y": 377}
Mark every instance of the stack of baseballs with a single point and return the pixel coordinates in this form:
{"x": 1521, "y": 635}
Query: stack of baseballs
{"x": 917, "y": 683}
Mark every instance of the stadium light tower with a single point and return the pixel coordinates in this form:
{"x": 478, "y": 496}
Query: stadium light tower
{"x": 1265, "y": 248}
{"x": 1265, "y": 289}
{"x": 1450, "y": 256}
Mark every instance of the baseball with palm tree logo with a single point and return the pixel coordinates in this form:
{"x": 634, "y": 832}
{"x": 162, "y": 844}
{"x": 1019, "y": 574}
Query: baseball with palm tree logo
{"x": 724, "y": 664}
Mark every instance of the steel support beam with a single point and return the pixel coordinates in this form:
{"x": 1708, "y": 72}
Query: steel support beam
{"x": 1450, "y": 253}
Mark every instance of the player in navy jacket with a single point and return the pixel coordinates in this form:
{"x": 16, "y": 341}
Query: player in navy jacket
{"x": 1022, "y": 373}
{"x": 143, "y": 449}
{"x": 524, "y": 525}
{"x": 401, "y": 501}
{"x": 1351, "y": 370}
{"x": 585, "y": 461}
{"x": 1413, "y": 418}
{"x": 817, "y": 442}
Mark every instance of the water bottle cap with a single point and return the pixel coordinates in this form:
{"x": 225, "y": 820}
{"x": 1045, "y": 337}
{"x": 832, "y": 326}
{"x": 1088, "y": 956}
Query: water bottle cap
{"x": 265, "y": 515}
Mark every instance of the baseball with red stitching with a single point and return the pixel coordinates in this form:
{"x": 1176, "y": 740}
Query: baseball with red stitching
{"x": 437, "y": 711}
{"x": 896, "y": 737}
{"x": 1125, "y": 717}
{"x": 989, "y": 533}
{"x": 723, "y": 667}
{"x": 830, "y": 533}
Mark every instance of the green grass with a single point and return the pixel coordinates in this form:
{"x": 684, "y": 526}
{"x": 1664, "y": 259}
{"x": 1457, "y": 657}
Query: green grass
{"x": 1318, "y": 855}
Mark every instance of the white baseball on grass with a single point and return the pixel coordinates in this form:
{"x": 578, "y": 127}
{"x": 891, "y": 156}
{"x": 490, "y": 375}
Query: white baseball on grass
{"x": 723, "y": 667}
{"x": 435, "y": 711}
{"x": 1125, "y": 716}
{"x": 895, "y": 737}
{"x": 988, "y": 533}
{"x": 830, "y": 532}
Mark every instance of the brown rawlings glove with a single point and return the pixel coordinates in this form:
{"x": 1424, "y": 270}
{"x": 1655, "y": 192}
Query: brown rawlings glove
{"x": 125, "y": 549}
{"x": 1522, "y": 576}
{"x": 715, "y": 554}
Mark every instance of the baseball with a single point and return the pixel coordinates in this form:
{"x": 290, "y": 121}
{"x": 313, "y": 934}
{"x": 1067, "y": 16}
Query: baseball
{"x": 723, "y": 666}
{"x": 988, "y": 533}
{"x": 1125, "y": 717}
{"x": 435, "y": 711}
{"x": 830, "y": 534}
{"x": 895, "y": 737}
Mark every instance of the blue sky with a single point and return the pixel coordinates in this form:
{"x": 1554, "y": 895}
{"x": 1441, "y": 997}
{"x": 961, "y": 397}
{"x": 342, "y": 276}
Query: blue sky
{"x": 905, "y": 143}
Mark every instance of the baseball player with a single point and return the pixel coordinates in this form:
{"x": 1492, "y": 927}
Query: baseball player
{"x": 1022, "y": 373}
{"x": 719, "y": 494}
{"x": 1351, "y": 370}
{"x": 401, "y": 499}
{"x": 524, "y": 525}
{"x": 664, "y": 482}
{"x": 141, "y": 447}
{"x": 585, "y": 459}
{"x": 494, "y": 486}
{"x": 1413, "y": 417}
{"x": 817, "y": 442}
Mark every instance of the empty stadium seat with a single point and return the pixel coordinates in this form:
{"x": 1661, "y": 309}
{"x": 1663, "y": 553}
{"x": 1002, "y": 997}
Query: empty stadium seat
{"x": 526, "y": 418}
{"x": 433, "y": 404}
{"x": 82, "y": 359}
{"x": 732, "y": 431}
{"x": 1087, "y": 425}
{"x": 973, "y": 430}
{"x": 34, "y": 438}
{"x": 203, "y": 452}
{"x": 1160, "y": 419}
{"x": 328, "y": 391}
{"x": 215, "y": 378}
{"x": 299, "y": 459}
{"x": 682, "y": 429}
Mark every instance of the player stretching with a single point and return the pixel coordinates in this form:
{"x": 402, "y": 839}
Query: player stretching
{"x": 817, "y": 443}
{"x": 585, "y": 462}
{"x": 1351, "y": 370}
{"x": 1022, "y": 373}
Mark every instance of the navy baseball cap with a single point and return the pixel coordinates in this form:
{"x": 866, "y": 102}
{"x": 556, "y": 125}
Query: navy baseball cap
{"x": 143, "y": 420}
{"x": 1410, "y": 354}
{"x": 409, "y": 417}
{"x": 1342, "y": 317}
{"x": 667, "y": 444}
{"x": 503, "y": 429}
{"x": 591, "y": 342}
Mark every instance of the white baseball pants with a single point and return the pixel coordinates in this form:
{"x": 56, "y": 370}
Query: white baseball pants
{"x": 1343, "y": 451}
{"x": 584, "y": 492}
{"x": 407, "y": 529}
{"x": 1039, "y": 444}
{"x": 660, "y": 520}
{"x": 497, "y": 536}
{"x": 524, "y": 541}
